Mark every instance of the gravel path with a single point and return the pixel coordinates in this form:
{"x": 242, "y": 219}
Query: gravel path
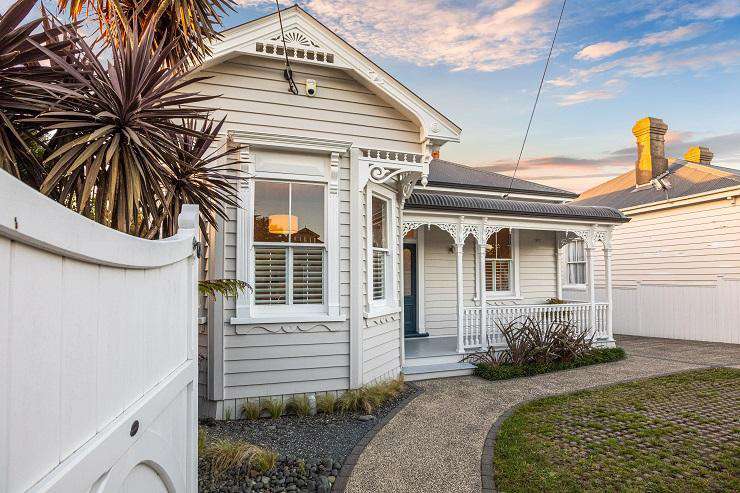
{"x": 434, "y": 444}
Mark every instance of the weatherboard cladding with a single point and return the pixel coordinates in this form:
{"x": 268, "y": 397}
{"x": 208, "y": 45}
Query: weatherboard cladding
{"x": 445, "y": 174}
{"x": 441, "y": 201}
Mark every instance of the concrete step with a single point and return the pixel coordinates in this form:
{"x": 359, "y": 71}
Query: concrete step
{"x": 437, "y": 359}
{"x": 442, "y": 370}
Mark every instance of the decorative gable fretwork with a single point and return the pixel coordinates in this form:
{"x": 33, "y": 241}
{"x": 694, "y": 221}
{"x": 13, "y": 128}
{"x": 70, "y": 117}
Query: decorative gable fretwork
{"x": 298, "y": 46}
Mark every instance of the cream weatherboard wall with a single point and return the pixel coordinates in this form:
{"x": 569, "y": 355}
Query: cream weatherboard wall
{"x": 677, "y": 272}
{"x": 536, "y": 269}
{"x": 247, "y": 360}
{"x": 253, "y": 96}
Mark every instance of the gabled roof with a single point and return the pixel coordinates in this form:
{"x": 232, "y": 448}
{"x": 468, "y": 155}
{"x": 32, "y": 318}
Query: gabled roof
{"x": 505, "y": 207}
{"x": 452, "y": 175}
{"x": 682, "y": 180}
{"x": 311, "y": 42}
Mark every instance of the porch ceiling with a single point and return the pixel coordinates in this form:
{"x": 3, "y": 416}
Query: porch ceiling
{"x": 432, "y": 201}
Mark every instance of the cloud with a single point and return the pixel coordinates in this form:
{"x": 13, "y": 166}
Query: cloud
{"x": 585, "y": 96}
{"x": 579, "y": 174}
{"x": 722, "y": 9}
{"x": 602, "y": 50}
{"x": 487, "y": 36}
{"x": 683, "y": 33}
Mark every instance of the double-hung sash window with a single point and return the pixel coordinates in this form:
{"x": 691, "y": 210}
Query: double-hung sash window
{"x": 380, "y": 250}
{"x": 576, "y": 262}
{"x": 500, "y": 263}
{"x": 289, "y": 243}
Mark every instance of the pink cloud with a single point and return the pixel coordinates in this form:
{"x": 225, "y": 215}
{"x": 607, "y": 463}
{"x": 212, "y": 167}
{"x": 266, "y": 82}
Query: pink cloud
{"x": 488, "y": 36}
{"x": 602, "y": 50}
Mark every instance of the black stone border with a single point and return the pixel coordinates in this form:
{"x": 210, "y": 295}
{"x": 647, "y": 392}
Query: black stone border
{"x": 348, "y": 465}
{"x": 487, "y": 473}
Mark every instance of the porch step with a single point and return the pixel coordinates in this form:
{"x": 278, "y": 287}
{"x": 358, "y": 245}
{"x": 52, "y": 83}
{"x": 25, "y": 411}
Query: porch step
{"x": 441, "y": 370}
{"x": 436, "y": 359}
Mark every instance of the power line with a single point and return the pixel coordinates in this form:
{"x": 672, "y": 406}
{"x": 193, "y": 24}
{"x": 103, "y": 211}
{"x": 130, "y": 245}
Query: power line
{"x": 536, "y": 99}
{"x": 288, "y": 72}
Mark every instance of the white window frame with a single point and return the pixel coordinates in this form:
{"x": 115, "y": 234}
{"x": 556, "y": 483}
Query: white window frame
{"x": 389, "y": 304}
{"x": 290, "y": 247}
{"x": 328, "y": 155}
{"x": 568, "y": 262}
{"x": 515, "y": 292}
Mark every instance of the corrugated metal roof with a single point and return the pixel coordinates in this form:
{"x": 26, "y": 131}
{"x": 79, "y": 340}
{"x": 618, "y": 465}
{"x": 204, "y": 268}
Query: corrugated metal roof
{"x": 683, "y": 179}
{"x": 447, "y": 174}
{"x": 506, "y": 207}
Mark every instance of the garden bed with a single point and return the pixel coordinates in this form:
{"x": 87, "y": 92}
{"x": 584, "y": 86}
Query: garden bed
{"x": 311, "y": 449}
{"x": 505, "y": 371}
{"x": 672, "y": 433}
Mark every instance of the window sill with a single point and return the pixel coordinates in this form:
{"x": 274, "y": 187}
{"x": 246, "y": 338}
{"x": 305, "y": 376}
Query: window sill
{"x": 381, "y": 311}
{"x": 575, "y": 287}
{"x": 279, "y": 319}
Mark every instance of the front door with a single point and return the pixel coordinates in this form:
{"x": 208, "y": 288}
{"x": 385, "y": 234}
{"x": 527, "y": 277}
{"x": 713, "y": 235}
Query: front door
{"x": 409, "y": 290}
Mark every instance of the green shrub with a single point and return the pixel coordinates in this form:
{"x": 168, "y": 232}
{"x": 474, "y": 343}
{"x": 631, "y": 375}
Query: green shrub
{"x": 274, "y": 407}
{"x": 326, "y": 403}
{"x": 265, "y": 460}
{"x": 368, "y": 398}
{"x": 227, "y": 413}
{"x": 201, "y": 441}
{"x": 225, "y": 454}
{"x": 251, "y": 410}
{"x": 299, "y": 405}
{"x": 505, "y": 371}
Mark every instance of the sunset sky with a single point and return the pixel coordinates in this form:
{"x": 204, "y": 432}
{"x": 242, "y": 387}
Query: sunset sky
{"x": 479, "y": 62}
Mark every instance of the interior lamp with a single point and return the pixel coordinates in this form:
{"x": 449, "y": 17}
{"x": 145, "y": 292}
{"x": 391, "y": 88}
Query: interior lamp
{"x": 282, "y": 224}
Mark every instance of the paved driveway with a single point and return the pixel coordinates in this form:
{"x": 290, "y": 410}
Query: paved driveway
{"x": 434, "y": 444}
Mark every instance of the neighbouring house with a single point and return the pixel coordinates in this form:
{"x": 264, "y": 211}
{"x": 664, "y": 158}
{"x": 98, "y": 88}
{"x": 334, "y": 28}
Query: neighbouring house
{"x": 676, "y": 266}
{"x": 367, "y": 256}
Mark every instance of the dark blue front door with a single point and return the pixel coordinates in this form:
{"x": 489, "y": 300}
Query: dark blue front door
{"x": 409, "y": 289}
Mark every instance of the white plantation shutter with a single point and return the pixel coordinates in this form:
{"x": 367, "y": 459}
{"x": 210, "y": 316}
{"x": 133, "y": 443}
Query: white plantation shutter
{"x": 503, "y": 275}
{"x": 379, "y": 274}
{"x": 270, "y": 280}
{"x": 308, "y": 276}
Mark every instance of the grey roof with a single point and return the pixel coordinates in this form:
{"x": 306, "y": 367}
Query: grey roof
{"x": 452, "y": 175}
{"x": 683, "y": 179}
{"x": 506, "y": 207}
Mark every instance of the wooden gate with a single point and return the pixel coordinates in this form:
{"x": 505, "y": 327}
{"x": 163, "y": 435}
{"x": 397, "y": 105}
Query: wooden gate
{"x": 98, "y": 368}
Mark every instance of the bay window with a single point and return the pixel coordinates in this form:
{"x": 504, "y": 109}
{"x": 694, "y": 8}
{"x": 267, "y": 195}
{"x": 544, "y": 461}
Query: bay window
{"x": 289, "y": 243}
{"x": 576, "y": 263}
{"x": 500, "y": 263}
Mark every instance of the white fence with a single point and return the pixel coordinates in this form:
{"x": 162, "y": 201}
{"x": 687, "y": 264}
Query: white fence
{"x": 680, "y": 311}
{"x": 98, "y": 370}
{"x": 577, "y": 313}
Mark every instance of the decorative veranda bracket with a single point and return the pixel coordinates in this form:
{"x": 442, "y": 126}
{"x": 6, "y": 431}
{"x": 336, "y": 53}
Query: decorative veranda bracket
{"x": 590, "y": 237}
{"x": 458, "y": 231}
{"x": 378, "y": 166}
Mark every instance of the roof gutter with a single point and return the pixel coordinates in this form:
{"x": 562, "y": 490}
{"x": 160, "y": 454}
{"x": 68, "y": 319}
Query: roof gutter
{"x": 590, "y": 219}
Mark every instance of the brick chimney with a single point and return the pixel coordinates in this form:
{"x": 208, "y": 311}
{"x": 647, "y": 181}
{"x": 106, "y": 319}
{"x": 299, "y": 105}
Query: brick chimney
{"x": 651, "y": 161}
{"x": 699, "y": 155}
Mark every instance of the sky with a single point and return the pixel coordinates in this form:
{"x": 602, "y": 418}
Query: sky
{"x": 480, "y": 62}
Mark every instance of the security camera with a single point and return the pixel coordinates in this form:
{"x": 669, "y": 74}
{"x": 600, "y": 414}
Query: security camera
{"x": 311, "y": 88}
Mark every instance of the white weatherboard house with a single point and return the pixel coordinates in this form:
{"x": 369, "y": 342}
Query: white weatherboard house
{"x": 367, "y": 256}
{"x": 677, "y": 262}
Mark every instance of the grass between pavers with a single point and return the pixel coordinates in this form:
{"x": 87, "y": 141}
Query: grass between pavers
{"x": 675, "y": 433}
{"x": 506, "y": 371}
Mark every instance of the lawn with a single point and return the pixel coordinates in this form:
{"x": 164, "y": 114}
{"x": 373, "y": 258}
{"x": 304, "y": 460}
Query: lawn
{"x": 675, "y": 433}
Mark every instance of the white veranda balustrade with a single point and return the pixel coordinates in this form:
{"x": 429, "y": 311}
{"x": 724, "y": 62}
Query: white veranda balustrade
{"x": 496, "y": 316}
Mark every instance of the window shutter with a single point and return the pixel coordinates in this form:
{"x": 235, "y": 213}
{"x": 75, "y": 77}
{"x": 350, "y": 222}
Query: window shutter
{"x": 503, "y": 272}
{"x": 269, "y": 275}
{"x": 308, "y": 276}
{"x": 378, "y": 274}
